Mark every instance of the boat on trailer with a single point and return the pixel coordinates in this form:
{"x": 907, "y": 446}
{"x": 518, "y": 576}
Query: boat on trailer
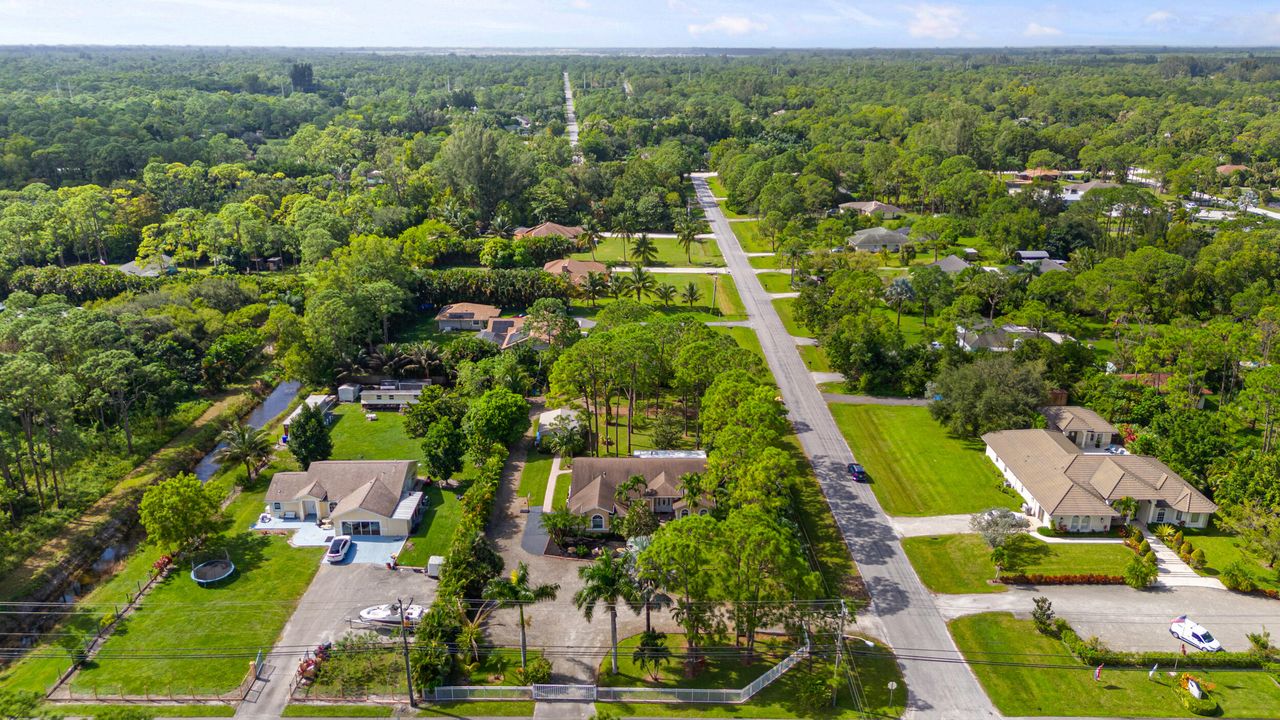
{"x": 389, "y": 614}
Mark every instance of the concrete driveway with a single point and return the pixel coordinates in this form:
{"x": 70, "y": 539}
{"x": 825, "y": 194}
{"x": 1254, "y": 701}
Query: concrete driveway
{"x": 337, "y": 594}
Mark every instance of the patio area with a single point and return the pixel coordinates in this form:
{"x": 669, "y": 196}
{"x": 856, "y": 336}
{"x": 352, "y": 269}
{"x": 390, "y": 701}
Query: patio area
{"x": 366, "y": 549}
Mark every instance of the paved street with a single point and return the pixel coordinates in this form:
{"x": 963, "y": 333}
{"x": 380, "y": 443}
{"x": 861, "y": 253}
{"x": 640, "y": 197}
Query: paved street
{"x": 905, "y": 609}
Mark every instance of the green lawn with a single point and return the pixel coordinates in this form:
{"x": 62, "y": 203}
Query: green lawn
{"x": 768, "y": 262}
{"x": 730, "y": 214}
{"x": 916, "y": 467}
{"x": 148, "y": 711}
{"x": 778, "y": 700}
{"x": 1222, "y": 548}
{"x": 436, "y": 529}
{"x": 815, "y": 358}
{"x": 745, "y": 337}
{"x": 749, "y": 237}
{"x": 355, "y": 438}
{"x": 962, "y": 563}
{"x": 670, "y": 253}
{"x": 912, "y": 326}
{"x": 728, "y": 304}
{"x": 786, "y": 311}
{"x": 482, "y": 708}
{"x": 717, "y": 187}
{"x": 247, "y": 611}
{"x": 1066, "y": 687}
{"x": 534, "y": 477}
{"x": 776, "y": 282}
{"x": 562, "y": 492}
{"x": 827, "y": 547}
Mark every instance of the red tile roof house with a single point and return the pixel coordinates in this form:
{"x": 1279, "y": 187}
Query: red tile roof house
{"x": 575, "y": 271}
{"x": 1068, "y": 486}
{"x": 548, "y": 229}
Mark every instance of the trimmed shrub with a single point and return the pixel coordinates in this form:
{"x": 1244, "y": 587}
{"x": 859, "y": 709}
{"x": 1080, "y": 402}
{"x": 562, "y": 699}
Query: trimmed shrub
{"x": 1084, "y": 579}
{"x": 1139, "y": 573}
{"x": 1203, "y": 706}
{"x": 1177, "y": 541}
{"x": 535, "y": 672}
{"x": 1150, "y": 556}
{"x": 1186, "y": 549}
{"x": 1197, "y": 559}
{"x": 1145, "y": 547}
{"x": 1236, "y": 576}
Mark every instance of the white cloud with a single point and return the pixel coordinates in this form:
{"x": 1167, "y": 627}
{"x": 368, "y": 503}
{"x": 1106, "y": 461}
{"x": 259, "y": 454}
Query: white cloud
{"x": 728, "y": 25}
{"x": 1160, "y": 18}
{"x": 842, "y": 12}
{"x": 940, "y": 22}
{"x": 1035, "y": 29}
{"x": 580, "y": 4}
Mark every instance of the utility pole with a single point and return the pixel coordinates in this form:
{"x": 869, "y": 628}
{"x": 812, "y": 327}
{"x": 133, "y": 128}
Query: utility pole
{"x": 404, "y": 638}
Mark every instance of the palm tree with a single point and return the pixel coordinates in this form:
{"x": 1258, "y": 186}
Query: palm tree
{"x": 620, "y": 285}
{"x": 607, "y": 581}
{"x": 471, "y": 630}
{"x": 590, "y": 235}
{"x": 622, "y": 228}
{"x": 652, "y": 596}
{"x": 645, "y": 251}
{"x": 641, "y": 281}
{"x": 515, "y": 591}
{"x": 246, "y": 444}
{"x": 899, "y": 292}
{"x": 687, "y": 231}
{"x": 691, "y": 294}
{"x": 665, "y": 292}
{"x": 595, "y": 286}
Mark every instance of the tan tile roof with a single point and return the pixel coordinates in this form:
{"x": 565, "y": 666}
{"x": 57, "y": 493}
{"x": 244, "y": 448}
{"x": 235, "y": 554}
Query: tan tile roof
{"x": 575, "y": 270}
{"x": 1065, "y": 480}
{"x": 547, "y": 229}
{"x": 467, "y": 311}
{"x": 1068, "y": 418}
{"x": 595, "y": 480}
{"x": 371, "y": 485}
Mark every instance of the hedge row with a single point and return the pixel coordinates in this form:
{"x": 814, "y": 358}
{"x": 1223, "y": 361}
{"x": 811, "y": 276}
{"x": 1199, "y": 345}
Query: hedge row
{"x": 462, "y": 568}
{"x": 1083, "y": 579}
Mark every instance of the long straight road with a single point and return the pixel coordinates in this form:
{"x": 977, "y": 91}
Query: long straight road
{"x": 571, "y": 119}
{"x": 903, "y": 606}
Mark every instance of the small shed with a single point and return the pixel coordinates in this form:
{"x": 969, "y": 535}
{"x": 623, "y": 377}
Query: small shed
{"x": 324, "y": 402}
{"x": 435, "y": 564}
{"x": 349, "y": 393}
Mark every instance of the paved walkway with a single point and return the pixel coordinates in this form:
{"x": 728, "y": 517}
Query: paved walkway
{"x": 730, "y": 323}
{"x": 1172, "y": 571}
{"x": 808, "y": 341}
{"x": 549, "y": 500}
{"x": 932, "y": 525}
{"x": 904, "y": 607}
{"x": 870, "y": 399}
{"x": 783, "y": 295}
{"x": 757, "y": 254}
{"x": 825, "y": 377}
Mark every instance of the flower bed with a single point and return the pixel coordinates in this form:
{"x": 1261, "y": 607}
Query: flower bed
{"x": 1085, "y": 579}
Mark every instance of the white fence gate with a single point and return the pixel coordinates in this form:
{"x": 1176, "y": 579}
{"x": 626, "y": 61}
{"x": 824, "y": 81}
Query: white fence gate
{"x": 585, "y": 693}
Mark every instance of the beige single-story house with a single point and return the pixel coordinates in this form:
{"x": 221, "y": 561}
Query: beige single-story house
{"x": 575, "y": 271}
{"x": 465, "y": 316}
{"x": 1082, "y": 426}
{"x": 1076, "y": 192}
{"x": 879, "y": 238}
{"x": 872, "y": 207}
{"x": 595, "y": 481}
{"x": 359, "y": 497}
{"x": 1068, "y": 488}
{"x": 509, "y": 332}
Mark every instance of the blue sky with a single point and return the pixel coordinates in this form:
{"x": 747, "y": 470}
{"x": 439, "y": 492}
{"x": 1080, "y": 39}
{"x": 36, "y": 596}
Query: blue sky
{"x": 639, "y": 23}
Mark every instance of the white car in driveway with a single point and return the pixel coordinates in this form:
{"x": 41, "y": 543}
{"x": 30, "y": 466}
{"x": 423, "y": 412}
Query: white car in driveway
{"x": 1193, "y": 634}
{"x": 338, "y": 549}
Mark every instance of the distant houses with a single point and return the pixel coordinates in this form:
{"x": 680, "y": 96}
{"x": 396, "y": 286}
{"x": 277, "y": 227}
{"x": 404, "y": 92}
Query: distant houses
{"x": 1075, "y": 193}
{"x": 873, "y": 207}
{"x": 465, "y": 316}
{"x": 1003, "y": 338}
{"x": 879, "y": 238}
{"x": 508, "y": 332}
{"x": 952, "y": 265}
{"x": 576, "y": 271}
{"x": 550, "y": 229}
{"x": 151, "y": 267}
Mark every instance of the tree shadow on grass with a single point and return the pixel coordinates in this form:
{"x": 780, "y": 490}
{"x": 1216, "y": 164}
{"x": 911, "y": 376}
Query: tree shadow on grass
{"x": 1023, "y": 551}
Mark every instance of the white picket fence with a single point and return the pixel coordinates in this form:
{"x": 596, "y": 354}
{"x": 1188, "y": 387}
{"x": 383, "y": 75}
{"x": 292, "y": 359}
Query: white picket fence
{"x": 592, "y": 693}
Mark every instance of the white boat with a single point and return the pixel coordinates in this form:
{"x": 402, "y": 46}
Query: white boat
{"x": 389, "y": 614}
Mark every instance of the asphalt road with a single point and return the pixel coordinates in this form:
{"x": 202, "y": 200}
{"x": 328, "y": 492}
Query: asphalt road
{"x": 903, "y": 607}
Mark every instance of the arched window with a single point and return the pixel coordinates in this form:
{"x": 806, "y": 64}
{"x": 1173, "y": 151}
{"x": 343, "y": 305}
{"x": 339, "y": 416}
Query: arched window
{"x": 597, "y": 522}
{"x": 684, "y": 513}
{"x": 703, "y": 511}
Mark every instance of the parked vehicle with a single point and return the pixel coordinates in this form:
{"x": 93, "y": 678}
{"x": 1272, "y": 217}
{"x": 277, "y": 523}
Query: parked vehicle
{"x": 857, "y": 472}
{"x": 1193, "y": 634}
{"x": 338, "y": 549}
